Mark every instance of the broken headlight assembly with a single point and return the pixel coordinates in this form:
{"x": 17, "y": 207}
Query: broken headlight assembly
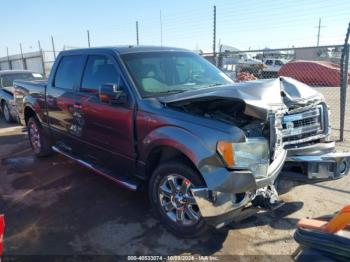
{"x": 253, "y": 155}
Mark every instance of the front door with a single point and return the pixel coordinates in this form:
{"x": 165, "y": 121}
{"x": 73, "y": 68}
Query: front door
{"x": 107, "y": 127}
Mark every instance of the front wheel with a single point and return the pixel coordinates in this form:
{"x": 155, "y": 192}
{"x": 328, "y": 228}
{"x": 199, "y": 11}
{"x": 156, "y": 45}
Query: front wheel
{"x": 38, "y": 140}
{"x": 172, "y": 199}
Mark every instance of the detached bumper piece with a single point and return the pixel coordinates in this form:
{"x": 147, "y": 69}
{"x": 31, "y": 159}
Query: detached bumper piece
{"x": 328, "y": 166}
{"x": 220, "y": 209}
{"x": 229, "y": 201}
{"x": 328, "y": 238}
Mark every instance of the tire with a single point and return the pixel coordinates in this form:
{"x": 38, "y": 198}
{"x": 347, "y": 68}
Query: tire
{"x": 6, "y": 111}
{"x": 192, "y": 224}
{"x": 39, "y": 142}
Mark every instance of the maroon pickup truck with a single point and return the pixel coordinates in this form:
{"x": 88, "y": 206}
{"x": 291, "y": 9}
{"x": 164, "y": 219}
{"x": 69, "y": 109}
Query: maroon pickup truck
{"x": 207, "y": 149}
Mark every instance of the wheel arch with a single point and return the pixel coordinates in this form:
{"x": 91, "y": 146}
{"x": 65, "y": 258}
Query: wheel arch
{"x": 28, "y": 113}
{"x": 168, "y": 143}
{"x": 165, "y": 153}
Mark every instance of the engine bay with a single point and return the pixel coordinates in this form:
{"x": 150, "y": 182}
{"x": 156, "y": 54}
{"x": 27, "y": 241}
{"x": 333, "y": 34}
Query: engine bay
{"x": 230, "y": 111}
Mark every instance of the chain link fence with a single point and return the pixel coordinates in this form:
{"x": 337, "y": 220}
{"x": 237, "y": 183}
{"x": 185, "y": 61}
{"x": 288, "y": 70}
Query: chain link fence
{"x": 319, "y": 67}
{"x": 40, "y": 62}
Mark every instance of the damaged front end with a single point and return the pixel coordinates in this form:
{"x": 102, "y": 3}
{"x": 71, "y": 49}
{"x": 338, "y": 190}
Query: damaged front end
{"x": 287, "y": 130}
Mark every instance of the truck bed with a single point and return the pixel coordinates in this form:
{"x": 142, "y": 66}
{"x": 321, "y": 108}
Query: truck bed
{"x": 30, "y": 86}
{"x": 34, "y": 88}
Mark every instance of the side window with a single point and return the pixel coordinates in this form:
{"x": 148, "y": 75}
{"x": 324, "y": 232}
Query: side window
{"x": 269, "y": 62}
{"x": 278, "y": 63}
{"x": 68, "y": 70}
{"x": 99, "y": 70}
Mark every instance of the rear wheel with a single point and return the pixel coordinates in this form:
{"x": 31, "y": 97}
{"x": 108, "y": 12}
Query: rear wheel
{"x": 38, "y": 140}
{"x": 172, "y": 199}
{"x": 6, "y": 112}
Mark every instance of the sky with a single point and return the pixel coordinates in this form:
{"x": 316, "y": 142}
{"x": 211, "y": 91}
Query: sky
{"x": 249, "y": 24}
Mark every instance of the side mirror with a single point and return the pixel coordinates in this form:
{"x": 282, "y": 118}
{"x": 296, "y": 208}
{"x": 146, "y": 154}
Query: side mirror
{"x": 112, "y": 94}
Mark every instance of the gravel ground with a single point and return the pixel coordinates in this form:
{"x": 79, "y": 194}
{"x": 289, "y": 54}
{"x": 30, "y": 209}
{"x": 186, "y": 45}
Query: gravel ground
{"x": 55, "y": 207}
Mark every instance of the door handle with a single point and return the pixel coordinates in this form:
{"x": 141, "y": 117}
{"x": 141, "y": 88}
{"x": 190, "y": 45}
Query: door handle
{"x": 78, "y": 106}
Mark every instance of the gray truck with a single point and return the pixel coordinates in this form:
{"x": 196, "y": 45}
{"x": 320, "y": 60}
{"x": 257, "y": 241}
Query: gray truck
{"x": 207, "y": 149}
{"x": 7, "y": 103}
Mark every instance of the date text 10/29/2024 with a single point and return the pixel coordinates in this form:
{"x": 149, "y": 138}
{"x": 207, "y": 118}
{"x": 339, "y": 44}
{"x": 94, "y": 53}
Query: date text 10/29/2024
{"x": 173, "y": 258}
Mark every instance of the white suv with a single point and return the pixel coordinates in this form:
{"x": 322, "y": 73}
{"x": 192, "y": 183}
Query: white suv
{"x": 272, "y": 66}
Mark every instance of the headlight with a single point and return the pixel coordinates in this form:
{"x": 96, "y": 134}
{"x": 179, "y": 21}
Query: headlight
{"x": 253, "y": 154}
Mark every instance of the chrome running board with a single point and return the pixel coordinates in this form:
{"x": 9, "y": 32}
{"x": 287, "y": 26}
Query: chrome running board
{"x": 125, "y": 184}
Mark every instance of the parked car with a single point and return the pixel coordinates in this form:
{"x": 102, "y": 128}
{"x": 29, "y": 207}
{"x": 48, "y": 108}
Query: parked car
{"x": 6, "y": 90}
{"x": 208, "y": 149}
{"x": 314, "y": 73}
{"x": 271, "y": 66}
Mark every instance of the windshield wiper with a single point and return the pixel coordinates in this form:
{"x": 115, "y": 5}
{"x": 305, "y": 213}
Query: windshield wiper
{"x": 215, "y": 84}
{"x": 172, "y": 91}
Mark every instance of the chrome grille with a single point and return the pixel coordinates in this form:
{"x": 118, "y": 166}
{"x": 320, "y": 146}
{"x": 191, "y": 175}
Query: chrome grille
{"x": 302, "y": 127}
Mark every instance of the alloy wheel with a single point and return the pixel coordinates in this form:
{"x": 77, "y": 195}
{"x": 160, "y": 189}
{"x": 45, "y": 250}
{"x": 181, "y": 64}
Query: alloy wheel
{"x": 34, "y": 137}
{"x": 177, "y": 201}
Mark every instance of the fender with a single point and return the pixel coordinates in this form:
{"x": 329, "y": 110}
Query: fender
{"x": 202, "y": 155}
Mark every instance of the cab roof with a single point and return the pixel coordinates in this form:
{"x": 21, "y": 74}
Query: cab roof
{"x": 8, "y": 72}
{"x": 126, "y": 49}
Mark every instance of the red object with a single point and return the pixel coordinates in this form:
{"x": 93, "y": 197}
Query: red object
{"x": 314, "y": 73}
{"x": 245, "y": 76}
{"x": 2, "y": 229}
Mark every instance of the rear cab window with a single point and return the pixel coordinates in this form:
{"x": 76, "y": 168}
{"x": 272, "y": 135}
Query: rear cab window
{"x": 6, "y": 80}
{"x": 68, "y": 72}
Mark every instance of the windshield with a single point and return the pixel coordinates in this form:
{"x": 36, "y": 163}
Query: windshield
{"x": 163, "y": 73}
{"x": 7, "y": 80}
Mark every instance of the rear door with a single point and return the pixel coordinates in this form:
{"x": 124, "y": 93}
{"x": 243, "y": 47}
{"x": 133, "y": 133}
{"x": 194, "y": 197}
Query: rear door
{"x": 61, "y": 105}
{"x": 107, "y": 128}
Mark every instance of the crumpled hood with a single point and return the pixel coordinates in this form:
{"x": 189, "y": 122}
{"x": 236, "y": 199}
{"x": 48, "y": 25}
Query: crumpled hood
{"x": 260, "y": 97}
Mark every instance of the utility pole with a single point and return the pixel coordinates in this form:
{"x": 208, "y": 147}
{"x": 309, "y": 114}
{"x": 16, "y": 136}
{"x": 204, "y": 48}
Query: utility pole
{"x": 214, "y": 35}
{"x": 53, "y": 47}
{"x": 319, "y": 31}
{"x": 23, "y": 60}
{"x": 161, "y": 28}
{"x": 42, "y": 58}
{"x": 137, "y": 33}
{"x": 8, "y": 58}
{"x": 88, "y": 38}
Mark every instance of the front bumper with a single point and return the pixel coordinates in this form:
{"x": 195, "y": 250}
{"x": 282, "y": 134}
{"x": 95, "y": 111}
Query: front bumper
{"x": 223, "y": 204}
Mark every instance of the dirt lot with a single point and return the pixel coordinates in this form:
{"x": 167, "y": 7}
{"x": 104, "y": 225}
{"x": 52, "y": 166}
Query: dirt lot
{"x": 55, "y": 207}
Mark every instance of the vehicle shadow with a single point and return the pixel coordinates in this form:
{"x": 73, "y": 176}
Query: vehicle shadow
{"x": 277, "y": 219}
{"x": 69, "y": 210}
{"x": 54, "y": 206}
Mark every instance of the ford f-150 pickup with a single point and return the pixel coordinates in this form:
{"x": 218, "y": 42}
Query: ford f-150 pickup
{"x": 206, "y": 148}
